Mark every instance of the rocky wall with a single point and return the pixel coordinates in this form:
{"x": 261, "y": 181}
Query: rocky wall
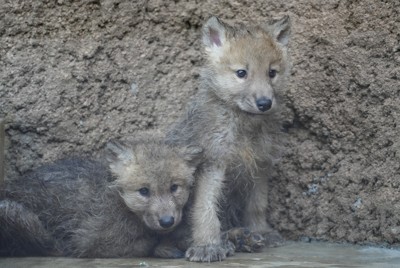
{"x": 74, "y": 74}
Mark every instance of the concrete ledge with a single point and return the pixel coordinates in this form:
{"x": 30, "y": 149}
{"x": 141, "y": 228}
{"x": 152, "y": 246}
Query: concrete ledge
{"x": 293, "y": 254}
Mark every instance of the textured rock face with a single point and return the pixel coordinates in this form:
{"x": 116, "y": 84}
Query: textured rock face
{"x": 74, "y": 74}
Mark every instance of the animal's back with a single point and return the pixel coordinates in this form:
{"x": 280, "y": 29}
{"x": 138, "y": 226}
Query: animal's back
{"x": 56, "y": 190}
{"x": 41, "y": 210}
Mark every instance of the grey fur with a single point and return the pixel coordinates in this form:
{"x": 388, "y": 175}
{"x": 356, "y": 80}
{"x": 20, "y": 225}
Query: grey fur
{"x": 88, "y": 208}
{"x": 240, "y": 143}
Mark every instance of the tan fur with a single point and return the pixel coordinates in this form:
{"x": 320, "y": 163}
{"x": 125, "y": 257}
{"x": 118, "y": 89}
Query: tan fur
{"x": 236, "y": 120}
{"x": 77, "y": 207}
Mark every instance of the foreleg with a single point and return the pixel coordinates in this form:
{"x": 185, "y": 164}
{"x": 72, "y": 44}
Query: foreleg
{"x": 206, "y": 227}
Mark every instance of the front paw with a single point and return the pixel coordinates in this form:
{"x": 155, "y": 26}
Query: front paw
{"x": 245, "y": 240}
{"x": 168, "y": 252}
{"x": 210, "y": 253}
{"x": 273, "y": 239}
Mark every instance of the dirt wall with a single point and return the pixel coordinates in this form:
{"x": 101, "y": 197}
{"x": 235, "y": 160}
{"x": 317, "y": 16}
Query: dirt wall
{"x": 74, "y": 74}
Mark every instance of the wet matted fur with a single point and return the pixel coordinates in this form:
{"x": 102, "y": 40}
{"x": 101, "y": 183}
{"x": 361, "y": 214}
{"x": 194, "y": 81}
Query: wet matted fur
{"x": 235, "y": 118}
{"x": 88, "y": 208}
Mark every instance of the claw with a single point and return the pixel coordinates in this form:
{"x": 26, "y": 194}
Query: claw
{"x": 210, "y": 253}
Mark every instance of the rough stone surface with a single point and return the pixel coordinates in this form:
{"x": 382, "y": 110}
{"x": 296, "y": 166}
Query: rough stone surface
{"x": 74, "y": 74}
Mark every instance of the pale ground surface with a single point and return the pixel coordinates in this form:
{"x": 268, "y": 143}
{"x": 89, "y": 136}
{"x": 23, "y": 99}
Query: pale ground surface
{"x": 316, "y": 254}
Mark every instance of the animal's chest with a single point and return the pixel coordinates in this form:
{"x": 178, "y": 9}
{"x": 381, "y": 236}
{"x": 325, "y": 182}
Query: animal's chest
{"x": 233, "y": 144}
{"x": 248, "y": 150}
{"x": 244, "y": 148}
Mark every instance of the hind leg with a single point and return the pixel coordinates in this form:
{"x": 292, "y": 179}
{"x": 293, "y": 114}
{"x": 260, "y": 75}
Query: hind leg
{"x": 254, "y": 216}
{"x": 244, "y": 240}
{"x": 21, "y": 232}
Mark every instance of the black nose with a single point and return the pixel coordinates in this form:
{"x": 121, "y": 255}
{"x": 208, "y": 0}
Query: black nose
{"x": 166, "y": 221}
{"x": 264, "y": 104}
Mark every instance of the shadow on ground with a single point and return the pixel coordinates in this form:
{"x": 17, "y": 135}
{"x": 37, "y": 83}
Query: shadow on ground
{"x": 291, "y": 255}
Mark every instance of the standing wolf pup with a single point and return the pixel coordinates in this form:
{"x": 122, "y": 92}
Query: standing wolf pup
{"x": 234, "y": 117}
{"x": 85, "y": 208}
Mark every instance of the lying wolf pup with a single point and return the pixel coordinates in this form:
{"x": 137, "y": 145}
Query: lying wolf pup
{"x": 85, "y": 208}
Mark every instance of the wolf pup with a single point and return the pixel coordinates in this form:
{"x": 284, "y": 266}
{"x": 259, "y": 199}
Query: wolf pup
{"x": 85, "y": 208}
{"x": 235, "y": 118}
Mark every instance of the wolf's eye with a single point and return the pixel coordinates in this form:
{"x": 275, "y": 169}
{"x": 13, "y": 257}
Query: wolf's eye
{"x": 241, "y": 73}
{"x": 173, "y": 188}
{"x": 272, "y": 73}
{"x": 144, "y": 191}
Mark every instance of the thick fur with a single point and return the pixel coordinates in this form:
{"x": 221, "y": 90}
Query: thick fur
{"x": 240, "y": 140}
{"x": 87, "y": 208}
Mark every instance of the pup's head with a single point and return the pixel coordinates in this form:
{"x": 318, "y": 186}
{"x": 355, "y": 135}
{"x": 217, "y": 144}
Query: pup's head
{"x": 154, "y": 180}
{"x": 247, "y": 65}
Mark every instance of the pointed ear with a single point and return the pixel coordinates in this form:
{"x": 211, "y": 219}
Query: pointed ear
{"x": 280, "y": 30}
{"x": 192, "y": 154}
{"x": 118, "y": 155}
{"x": 214, "y": 33}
